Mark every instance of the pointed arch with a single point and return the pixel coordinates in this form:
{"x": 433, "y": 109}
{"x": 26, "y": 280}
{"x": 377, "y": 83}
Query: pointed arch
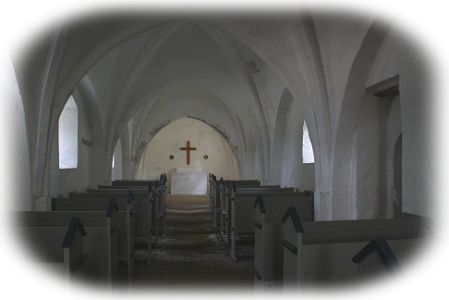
{"x": 279, "y": 142}
{"x": 68, "y": 136}
{"x": 344, "y": 137}
{"x": 307, "y": 148}
{"x": 17, "y": 155}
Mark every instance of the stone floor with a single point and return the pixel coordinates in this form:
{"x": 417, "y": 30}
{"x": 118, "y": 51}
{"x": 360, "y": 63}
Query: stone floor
{"x": 193, "y": 256}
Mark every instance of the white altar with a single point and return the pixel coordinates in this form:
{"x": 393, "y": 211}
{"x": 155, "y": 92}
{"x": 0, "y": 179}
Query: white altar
{"x": 188, "y": 181}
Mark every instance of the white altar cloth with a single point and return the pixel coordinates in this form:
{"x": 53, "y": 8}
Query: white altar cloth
{"x": 189, "y": 183}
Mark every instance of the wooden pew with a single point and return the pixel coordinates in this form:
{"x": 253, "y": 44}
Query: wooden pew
{"x": 211, "y": 189}
{"x": 320, "y": 252}
{"x": 157, "y": 194}
{"x": 99, "y": 244}
{"x": 242, "y": 208}
{"x": 216, "y": 194}
{"x": 380, "y": 275}
{"x": 58, "y": 275}
{"x": 326, "y": 271}
{"x": 144, "y": 203}
{"x": 141, "y": 218}
{"x": 225, "y": 200}
{"x": 221, "y": 199}
{"x": 424, "y": 260}
{"x": 139, "y": 182}
{"x": 223, "y": 196}
{"x": 133, "y": 182}
{"x": 125, "y": 236}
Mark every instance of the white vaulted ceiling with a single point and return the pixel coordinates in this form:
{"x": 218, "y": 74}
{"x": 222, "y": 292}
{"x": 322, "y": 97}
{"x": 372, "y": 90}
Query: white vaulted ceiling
{"x": 239, "y": 91}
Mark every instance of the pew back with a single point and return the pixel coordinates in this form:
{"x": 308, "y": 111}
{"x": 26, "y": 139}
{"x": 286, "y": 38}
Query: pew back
{"x": 136, "y": 183}
{"x": 45, "y": 243}
{"x": 59, "y": 280}
{"x": 96, "y": 193}
{"x": 327, "y": 255}
{"x": 244, "y": 182}
{"x": 242, "y": 211}
{"x": 425, "y": 261}
{"x": 242, "y": 208}
{"x": 87, "y": 218}
{"x": 359, "y": 230}
{"x": 99, "y": 204}
{"x": 114, "y": 191}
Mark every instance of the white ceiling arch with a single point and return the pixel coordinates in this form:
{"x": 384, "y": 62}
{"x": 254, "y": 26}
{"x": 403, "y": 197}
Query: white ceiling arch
{"x": 170, "y": 106}
{"x": 190, "y": 54}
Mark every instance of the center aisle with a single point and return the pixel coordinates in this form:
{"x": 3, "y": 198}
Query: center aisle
{"x": 193, "y": 254}
{"x": 192, "y": 261}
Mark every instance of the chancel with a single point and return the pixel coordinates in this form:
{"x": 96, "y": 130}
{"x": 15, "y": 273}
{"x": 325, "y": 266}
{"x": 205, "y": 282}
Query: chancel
{"x": 187, "y": 147}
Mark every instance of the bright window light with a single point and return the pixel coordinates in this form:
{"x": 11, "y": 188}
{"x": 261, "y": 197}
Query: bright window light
{"x": 307, "y": 150}
{"x": 68, "y": 136}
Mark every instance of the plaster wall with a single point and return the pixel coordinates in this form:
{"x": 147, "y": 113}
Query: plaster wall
{"x": 394, "y": 158}
{"x": 125, "y": 148}
{"x": 278, "y": 139}
{"x": 117, "y": 169}
{"x": 288, "y": 155}
{"x": 399, "y": 56}
{"x": 168, "y": 141}
{"x": 371, "y": 159}
{"x": 258, "y": 168}
{"x": 340, "y": 37}
{"x": 178, "y": 103}
{"x": 18, "y": 156}
{"x": 250, "y": 164}
{"x": 3, "y": 175}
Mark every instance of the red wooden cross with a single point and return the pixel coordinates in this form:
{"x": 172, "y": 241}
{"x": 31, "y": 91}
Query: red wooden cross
{"x": 188, "y": 151}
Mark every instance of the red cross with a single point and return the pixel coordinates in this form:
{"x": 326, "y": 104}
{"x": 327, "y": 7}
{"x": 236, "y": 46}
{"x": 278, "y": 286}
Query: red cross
{"x": 188, "y": 151}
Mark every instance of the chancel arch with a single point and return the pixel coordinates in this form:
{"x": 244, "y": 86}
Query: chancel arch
{"x": 163, "y": 153}
{"x": 180, "y": 102}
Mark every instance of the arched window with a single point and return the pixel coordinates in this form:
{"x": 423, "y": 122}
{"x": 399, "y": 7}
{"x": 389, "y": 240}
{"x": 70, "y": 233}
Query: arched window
{"x": 307, "y": 150}
{"x": 68, "y": 136}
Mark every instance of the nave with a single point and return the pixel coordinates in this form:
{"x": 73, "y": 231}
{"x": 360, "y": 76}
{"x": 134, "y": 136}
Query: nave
{"x": 193, "y": 255}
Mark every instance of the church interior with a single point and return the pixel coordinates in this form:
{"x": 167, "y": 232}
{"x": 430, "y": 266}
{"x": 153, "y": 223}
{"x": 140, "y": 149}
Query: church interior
{"x": 334, "y": 103}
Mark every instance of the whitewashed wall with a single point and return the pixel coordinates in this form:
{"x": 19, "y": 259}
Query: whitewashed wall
{"x": 17, "y": 156}
{"x": 286, "y": 164}
{"x": 117, "y": 169}
{"x": 221, "y": 161}
{"x": 370, "y": 159}
{"x": 401, "y": 57}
